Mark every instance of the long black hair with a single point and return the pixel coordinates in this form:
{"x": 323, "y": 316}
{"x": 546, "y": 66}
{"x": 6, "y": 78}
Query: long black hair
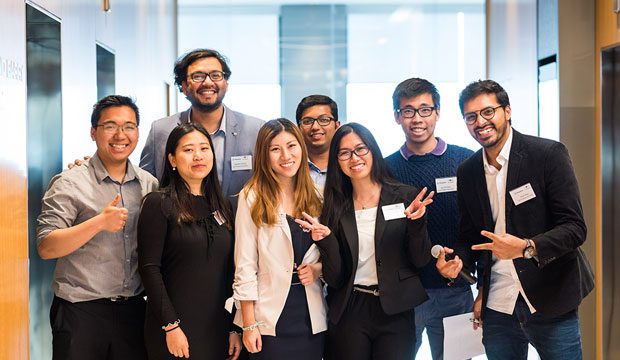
{"x": 338, "y": 193}
{"x": 174, "y": 186}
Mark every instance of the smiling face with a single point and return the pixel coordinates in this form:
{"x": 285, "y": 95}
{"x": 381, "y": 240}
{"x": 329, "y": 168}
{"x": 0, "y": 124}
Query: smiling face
{"x": 114, "y": 148}
{"x": 491, "y": 134}
{"x": 317, "y": 137}
{"x": 285, "y": 155}
{"x": 357, "y": 167}
{"x": 419, "y": 131}
{"x": 193, "y": 159}
{"x": 208, "y": 95}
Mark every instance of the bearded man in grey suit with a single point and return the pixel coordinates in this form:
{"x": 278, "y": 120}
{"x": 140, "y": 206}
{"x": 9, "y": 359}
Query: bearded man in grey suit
{"x": 202, "y": 75}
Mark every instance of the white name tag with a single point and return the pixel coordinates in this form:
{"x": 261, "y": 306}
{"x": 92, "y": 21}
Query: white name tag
{"x": 522, "y": 194}
{"x": 218, "y": 217}
{"x": 241, "y": 162}
{"x": 447, "y": 184}
{"x": 394, "y": 211}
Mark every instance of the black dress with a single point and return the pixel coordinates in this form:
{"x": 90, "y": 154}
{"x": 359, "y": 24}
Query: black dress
{"x": 294, "y": 338}
{"x": 187, "y": 272}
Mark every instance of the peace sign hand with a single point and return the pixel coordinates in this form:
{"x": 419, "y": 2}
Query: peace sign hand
{"x": 319, "y": 231}
{"x": 417, "y": 208}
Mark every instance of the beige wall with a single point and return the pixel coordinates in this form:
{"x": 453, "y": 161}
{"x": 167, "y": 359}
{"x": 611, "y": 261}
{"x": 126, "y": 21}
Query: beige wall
{"x": 142, "y": 33}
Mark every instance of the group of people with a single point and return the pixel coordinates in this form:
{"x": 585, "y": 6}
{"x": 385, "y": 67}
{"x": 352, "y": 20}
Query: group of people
{"x": 275, "y": 240}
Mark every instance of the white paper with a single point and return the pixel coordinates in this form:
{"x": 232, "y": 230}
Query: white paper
{"x": 241, "y": 162}
{"x": 522, "y": 194}
{"x": 447, "y": 184}
{"x": 460, "y": 340}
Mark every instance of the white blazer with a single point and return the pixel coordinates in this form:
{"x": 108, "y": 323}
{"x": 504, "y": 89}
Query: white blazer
{"x": 263, "y": 270}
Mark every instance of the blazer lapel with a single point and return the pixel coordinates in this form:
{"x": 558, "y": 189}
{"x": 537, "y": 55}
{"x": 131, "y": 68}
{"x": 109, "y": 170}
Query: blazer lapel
{"x": 482, "y": 193}
{"x": 230, "y": 144}
{"x": 349, "y": 228}
{"x": 514, "y": 167}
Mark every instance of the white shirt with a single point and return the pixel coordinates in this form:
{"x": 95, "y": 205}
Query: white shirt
{"x": 366, "y": 273}
{"x": 505, "y": 286}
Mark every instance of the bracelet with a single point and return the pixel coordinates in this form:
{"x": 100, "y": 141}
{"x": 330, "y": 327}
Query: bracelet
{"x": 235, "y": 332}
{"x": 254, "y": 326}
{"x": 176, "y": 322}
{"x": 172, "y": 328}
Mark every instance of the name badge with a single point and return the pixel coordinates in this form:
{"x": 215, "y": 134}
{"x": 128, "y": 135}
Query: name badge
{"x": 218, "y": 217}
{"x": 522, "y": 194}
{"x": 241, "y": 162}
{"x": 447, "y": 184}
{"x": 394, "y": 211}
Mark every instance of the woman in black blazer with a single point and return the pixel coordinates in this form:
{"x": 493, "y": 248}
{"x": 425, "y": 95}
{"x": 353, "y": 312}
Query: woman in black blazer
{"x": 371, "y": 248}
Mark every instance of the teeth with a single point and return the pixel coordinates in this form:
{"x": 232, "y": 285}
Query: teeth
{"x": 357, "y": 167}
{"x": 287, "y": 164}
{"x": 118, "y": 146}
{"x": 485, "y": 131}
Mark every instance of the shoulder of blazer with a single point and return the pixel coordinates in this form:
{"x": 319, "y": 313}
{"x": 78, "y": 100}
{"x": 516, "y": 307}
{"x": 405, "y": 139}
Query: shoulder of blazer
{"x": 170, "y": 121}
{"x": 240, "y": 121}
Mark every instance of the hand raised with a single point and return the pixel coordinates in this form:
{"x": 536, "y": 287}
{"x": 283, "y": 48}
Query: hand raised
{"x": 504, "y": 247}
{"x": 417, "y": 208}
{"x": 319, "y": 231}
{"x": 114, "y": 217}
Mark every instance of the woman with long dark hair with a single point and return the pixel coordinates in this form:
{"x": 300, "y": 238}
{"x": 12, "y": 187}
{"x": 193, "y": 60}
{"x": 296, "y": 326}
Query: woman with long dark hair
{"x": 185, "y": 248}
{"x": 372, "y": 243}
{"x": 277, "y": 285}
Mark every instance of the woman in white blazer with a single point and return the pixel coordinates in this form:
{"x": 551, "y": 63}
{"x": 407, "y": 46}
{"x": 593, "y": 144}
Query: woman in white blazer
{"x": 277, "y": 284}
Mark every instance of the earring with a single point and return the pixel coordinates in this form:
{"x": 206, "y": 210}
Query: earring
{"x": 174, "y": 168}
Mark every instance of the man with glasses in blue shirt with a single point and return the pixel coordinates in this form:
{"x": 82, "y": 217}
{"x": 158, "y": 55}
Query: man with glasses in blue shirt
{"x": 88, "y": 222}
{"x": 202, "y": 76}
{"x": 317, "y": 118}
{"x": 427, "y": 161}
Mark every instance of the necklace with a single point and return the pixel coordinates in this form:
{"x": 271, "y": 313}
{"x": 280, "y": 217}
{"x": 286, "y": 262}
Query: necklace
{"x": 370, "y": 201}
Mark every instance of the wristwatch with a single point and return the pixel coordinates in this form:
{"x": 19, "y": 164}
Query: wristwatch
{"x": 529, "y": 251}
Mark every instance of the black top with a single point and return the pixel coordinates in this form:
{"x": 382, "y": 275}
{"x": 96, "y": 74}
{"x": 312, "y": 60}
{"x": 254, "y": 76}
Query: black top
{"x": 301, "y": 242}
{"x": 187, "y": 271}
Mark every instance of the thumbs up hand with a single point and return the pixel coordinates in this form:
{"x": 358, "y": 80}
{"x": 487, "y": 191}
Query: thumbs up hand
{"x": 114, "y": 217}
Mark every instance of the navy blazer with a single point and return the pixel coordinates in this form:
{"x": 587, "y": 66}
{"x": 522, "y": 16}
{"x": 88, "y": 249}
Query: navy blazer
{"x": 241, "y": 132}
{"x": 402, "y": 246}
{"x": 562, "y": 276}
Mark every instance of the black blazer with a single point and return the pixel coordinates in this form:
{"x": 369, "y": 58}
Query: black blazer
{"x": 553, "y": 220}
{"x": 402, "y": 246}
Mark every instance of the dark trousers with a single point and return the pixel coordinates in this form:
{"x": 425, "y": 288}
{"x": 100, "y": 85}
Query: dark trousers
{"x": 98, "y": 329}
{"x": 366, "y": 332}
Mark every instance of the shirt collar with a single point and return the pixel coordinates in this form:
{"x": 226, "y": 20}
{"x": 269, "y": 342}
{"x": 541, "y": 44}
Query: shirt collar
{"x": 315, "y": 168}
{"x": 222, "y": 123}
{"x": 502, "y": 157}
{"x": 101, "y": 173}
{"x": 439, "y": 149}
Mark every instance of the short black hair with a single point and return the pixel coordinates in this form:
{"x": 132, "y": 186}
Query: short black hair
{"x": 479, "y": 87}
{"x": 414, "y": 87}
{"x": 111, "y": 101}
{"x": 181, "y": 65}
{"x": 313, "y": 100}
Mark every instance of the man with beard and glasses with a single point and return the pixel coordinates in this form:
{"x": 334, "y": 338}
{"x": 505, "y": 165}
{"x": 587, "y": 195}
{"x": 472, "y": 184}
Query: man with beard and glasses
{"x": 202, "y": 75}
{"x": 520, "y": 211}
{"x": 317, "y": 118}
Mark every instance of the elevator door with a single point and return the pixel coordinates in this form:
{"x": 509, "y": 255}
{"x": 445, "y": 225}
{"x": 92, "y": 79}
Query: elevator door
{"x": 44, "y": 118}
{"x": 610, "y": 174}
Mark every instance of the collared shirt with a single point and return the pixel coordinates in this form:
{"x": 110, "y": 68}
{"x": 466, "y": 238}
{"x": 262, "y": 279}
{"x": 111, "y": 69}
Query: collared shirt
{"x": 439, "y": 149}
{"x": 505, "y": 285}
{"x": 219, "y": 143}
{"x": 318, "y": 176}
{"x": 106, "y": 265}
{"x": 366, "y": 272}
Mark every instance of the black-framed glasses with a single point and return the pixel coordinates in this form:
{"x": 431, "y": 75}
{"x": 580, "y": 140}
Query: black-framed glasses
{"x": 199, "y": 76}
{"x": 308, "y": 122}
{"x": 344, "y": 155}
{"x": 487, "y": 113}
{"x": 410, "y": 112}
{"x": 111, "y": 128}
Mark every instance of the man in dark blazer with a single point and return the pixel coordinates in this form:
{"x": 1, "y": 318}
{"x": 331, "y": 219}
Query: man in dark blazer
{"x": 520, "y": 213}
{"x": 202, "y": 75}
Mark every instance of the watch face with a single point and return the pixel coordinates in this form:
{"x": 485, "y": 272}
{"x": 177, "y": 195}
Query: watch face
{"x": 528, "y": 253}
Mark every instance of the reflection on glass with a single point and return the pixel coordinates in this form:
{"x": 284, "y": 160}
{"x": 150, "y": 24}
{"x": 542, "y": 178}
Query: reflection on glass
{"x": 548, "y": 102}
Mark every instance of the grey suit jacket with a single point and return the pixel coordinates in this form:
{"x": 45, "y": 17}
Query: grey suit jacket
{"x": 241, "y": 131}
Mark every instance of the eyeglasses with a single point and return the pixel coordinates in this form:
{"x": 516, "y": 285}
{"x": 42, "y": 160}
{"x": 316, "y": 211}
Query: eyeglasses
{"x": 344, "y": 155}
{"x": 111, "y": 128}
{"x": 487, "y": 113}
{"x": 199, "y": 76}
{"x": 410, "y": 112}
{"x": 308, "y": 122}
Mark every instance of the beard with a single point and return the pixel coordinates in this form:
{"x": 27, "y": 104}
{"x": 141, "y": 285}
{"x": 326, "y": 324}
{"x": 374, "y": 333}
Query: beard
{"x": 204, "y": 107}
